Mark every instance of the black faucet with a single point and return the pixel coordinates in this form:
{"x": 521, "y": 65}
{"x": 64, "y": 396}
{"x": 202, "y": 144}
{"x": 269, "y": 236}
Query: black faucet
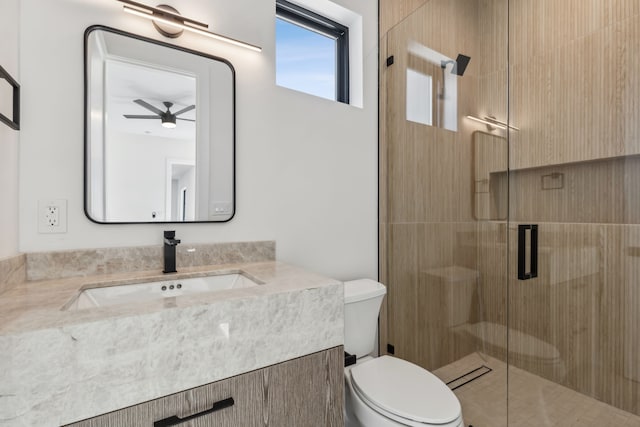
{"x": 170, "y": 243}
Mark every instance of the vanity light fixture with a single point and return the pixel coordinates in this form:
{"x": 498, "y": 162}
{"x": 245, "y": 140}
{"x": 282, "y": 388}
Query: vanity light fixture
{"x": 169, "y": 16}
{"x": 493, "y": 123}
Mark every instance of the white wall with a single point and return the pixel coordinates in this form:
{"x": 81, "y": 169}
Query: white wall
{"x": 306, "y": 167}
{"x": 136, "y": 174}
{"x": 9, "y": 34}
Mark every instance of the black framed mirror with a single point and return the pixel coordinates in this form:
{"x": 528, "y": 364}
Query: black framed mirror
{"x": 159, "y": 131}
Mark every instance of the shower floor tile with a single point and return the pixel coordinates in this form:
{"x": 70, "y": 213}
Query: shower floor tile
{"x": 534, "y": 401}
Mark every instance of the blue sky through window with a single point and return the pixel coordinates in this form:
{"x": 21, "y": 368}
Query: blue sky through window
{"x": 305, "y": 60}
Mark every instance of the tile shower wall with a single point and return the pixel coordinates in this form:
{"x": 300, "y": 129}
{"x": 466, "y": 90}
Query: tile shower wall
{"x": 574, "y": 80}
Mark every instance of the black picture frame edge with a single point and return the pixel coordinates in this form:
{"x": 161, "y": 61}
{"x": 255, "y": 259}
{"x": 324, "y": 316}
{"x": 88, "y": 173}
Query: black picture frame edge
{"x": 14, "y": 122}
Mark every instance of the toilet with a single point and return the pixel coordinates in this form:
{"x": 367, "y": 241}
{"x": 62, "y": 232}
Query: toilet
{"x": 386, "y": 391}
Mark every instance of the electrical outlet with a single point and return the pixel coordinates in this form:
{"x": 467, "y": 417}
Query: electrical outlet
{"x": 52, "y": 216}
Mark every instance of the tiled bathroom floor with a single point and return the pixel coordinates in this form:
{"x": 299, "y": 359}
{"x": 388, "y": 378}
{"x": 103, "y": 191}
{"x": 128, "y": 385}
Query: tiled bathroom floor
{"x": 534, "y": 401}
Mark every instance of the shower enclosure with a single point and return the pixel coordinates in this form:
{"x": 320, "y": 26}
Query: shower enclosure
{"x": 510, "y": 204}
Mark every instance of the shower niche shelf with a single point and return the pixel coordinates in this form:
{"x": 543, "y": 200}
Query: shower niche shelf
{"x": 592, "y": 191}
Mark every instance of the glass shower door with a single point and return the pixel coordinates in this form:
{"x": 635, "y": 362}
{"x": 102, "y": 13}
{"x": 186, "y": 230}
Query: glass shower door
{"x": 444, "y": 197}
{"x": 574, "y": 86}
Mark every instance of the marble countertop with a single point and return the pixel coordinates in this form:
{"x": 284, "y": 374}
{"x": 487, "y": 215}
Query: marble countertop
{"x": 38, "y": 304}
{"x": 62, "y": 366}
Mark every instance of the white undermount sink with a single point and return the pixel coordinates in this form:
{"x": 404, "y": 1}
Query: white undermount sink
{"x": 100, "y": 296}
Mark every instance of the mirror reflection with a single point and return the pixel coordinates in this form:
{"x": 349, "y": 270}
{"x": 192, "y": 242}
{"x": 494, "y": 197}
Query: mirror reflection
{"x": 160, "y": 131}
{"x": 490, "y": 190}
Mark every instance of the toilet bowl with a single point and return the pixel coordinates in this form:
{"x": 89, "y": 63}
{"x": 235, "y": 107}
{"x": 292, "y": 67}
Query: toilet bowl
{"x": 387, "y": 391}
{"x": 391, "y": 392}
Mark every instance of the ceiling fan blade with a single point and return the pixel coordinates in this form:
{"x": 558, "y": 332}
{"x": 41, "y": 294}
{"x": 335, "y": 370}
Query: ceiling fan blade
{"x": 148, "y": 106}
{"x": 186, "y": 120}
{"x": 137, "y": 116}
{"x": 184, "y": 110}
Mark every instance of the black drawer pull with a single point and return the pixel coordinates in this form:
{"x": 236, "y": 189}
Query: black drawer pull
{"x": 533, "y": 260}
{"x": 175, "y": 420}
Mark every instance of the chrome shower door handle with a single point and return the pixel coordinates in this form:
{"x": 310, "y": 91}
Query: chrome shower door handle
{"x": 522, "y": 251}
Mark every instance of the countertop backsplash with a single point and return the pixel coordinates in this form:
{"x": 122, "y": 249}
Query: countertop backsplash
{"x": 13, "y": 271}
{"x": 89, "y": 262}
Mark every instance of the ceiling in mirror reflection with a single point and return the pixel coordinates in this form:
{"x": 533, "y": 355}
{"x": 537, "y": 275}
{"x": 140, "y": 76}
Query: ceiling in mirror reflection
{"x": 130, "y": 81}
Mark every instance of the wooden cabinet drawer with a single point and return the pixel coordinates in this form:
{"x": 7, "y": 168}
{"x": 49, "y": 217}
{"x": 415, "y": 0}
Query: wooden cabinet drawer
{"x": 307, "y": 391}
{"x": 245, "y": 390}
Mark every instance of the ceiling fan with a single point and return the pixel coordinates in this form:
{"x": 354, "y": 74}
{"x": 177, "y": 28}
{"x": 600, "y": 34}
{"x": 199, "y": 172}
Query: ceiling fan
{"x": 167, "y": 117}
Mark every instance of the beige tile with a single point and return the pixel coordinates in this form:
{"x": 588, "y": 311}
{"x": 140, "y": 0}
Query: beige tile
{"x": 533, "y": 401}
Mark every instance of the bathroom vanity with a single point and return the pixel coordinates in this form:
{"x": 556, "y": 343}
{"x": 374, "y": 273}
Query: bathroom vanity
{"x": 306, "y": 391}
{"x": 274, "y": 348}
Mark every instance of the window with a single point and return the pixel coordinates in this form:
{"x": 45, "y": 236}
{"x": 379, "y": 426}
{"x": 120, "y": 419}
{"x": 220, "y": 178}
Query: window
{"x": 312, "y": 53}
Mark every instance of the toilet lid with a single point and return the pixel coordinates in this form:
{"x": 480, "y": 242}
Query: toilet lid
{"x": 406, "y": 390}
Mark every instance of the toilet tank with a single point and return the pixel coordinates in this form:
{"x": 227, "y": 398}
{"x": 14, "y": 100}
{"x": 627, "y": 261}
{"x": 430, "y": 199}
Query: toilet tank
{"x": 362, "y": 300}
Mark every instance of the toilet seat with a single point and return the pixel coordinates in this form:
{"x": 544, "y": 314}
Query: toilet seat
{"x": 405, "y": 392}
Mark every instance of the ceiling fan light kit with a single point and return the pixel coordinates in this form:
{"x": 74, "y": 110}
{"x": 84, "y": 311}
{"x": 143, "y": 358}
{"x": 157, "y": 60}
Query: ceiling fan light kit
{"x": 170, "y": 23}
{"x": 167, "y": 118}
{"x": 169, "y": 122}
